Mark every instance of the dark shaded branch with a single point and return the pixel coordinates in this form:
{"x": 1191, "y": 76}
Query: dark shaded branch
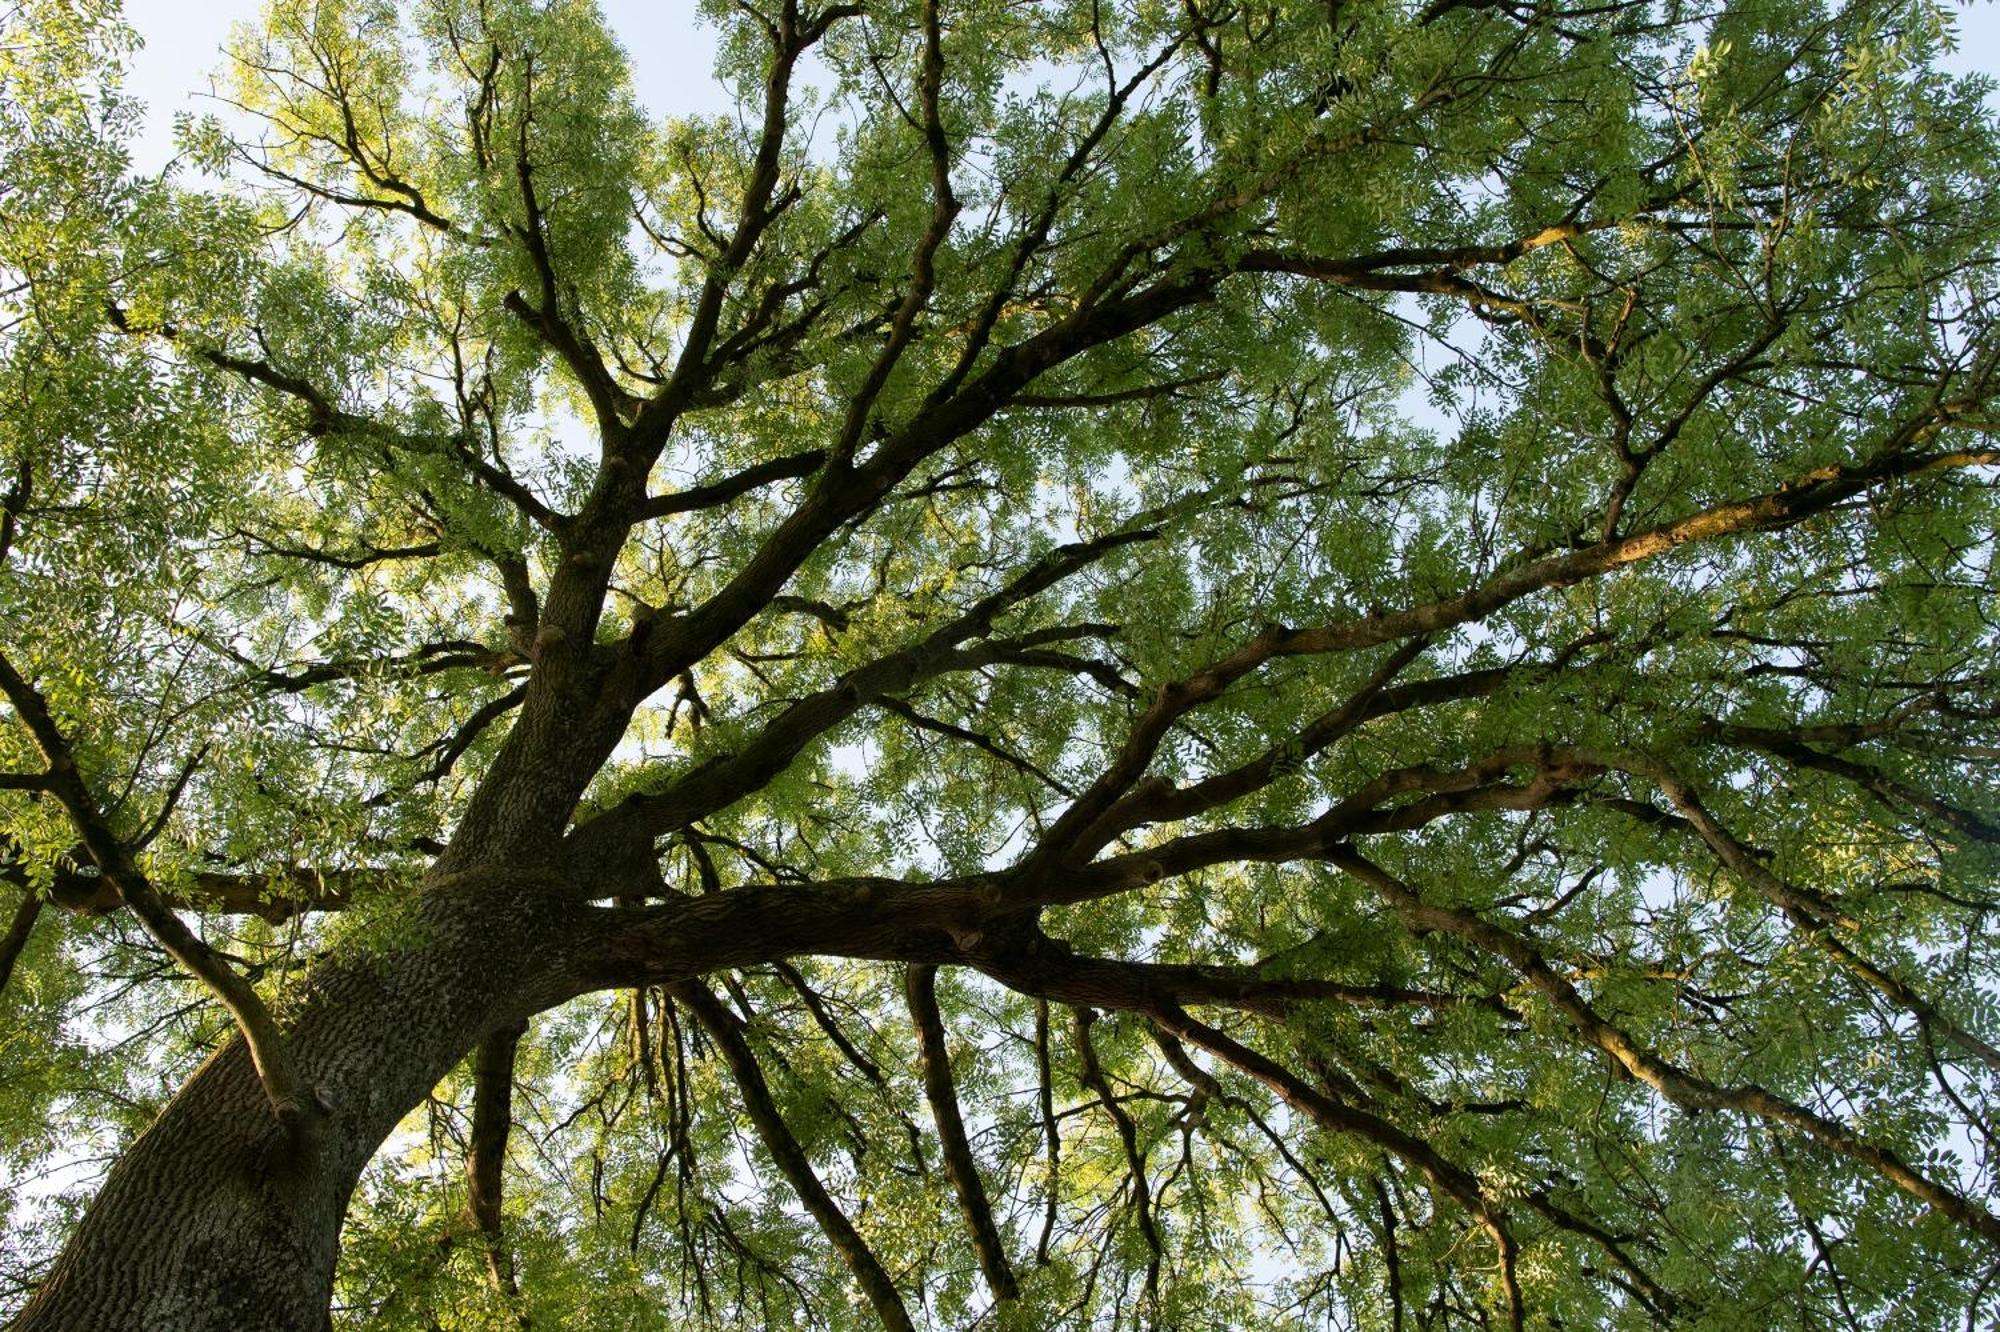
{"x": 486, "y": 1154}
{"x": 1392, "y": 1255}
{"x": 730, "y": 777}
{"x": 721, "y": 492}
{"x": 359, "y": 559}
{"x": 816, "y": 1005}
{"x": 429, "y": 659}
{"x": 1145, "y": 393}
{"x": 934, "y": 1059}
{"x": 1051, "y": 1135}
{"x": 453, "y": 748}
{"x": 14, "y": 503}
{"x": 986, "y": 744}
{"x": 1480, "y": 785}
{"x": 1658, "y": 1300}
{"x": 18, "y": 931}
{"x": 761, "y": 206}
{"x": 292, "y": 1100}
{"x": 1036, "y": 964}
{"x": 790, "y": 1157}
{"x": 559, "y": 330}
{"x": 1791, "y": 746}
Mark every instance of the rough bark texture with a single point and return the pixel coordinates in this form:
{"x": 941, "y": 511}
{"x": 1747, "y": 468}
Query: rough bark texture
{"x": 486, "y": 1154}
{"x": 208, "y": 1222}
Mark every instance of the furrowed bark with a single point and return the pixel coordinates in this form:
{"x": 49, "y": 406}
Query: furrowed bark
{"x": 486, "y": 1154}
{"x": 211, "y": 1221}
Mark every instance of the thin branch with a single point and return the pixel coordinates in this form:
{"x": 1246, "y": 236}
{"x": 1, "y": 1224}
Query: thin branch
{"x": 1455, "y": 1182}
{"x": 792, "y": 1161}
{"x": 1683, "y": 1088}
{"x": 715, "y": 493}
{"x": 920, "y": 990}
{"x": 293, "y": 1101}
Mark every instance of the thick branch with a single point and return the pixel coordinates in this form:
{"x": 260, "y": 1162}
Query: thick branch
{"x": 274, "y": 897}
{"x": 17, "y": 934}
{"x": 486, "y": 1153}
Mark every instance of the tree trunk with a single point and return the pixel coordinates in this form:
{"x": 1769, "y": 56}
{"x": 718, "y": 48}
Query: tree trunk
{"x": 211, "y": 1220}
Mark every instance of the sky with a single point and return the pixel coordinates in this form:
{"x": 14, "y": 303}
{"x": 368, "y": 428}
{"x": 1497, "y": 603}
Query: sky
{"x": 671, "y": 56}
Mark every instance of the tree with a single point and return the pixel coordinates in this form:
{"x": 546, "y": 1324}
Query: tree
{"x": 1216, "y": 665}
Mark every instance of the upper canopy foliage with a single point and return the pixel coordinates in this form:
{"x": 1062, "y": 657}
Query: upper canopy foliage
{"x": 1406, "y": 593}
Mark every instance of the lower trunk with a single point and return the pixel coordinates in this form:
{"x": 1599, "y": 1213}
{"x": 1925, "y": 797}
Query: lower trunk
{"x": 211, "y": 1220}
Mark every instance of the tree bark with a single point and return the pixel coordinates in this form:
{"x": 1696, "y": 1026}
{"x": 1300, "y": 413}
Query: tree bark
{"x": 210, "y": 1220}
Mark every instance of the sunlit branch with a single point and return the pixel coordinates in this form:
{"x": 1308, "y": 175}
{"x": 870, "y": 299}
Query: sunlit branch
{"x": 1685, "y": 1089}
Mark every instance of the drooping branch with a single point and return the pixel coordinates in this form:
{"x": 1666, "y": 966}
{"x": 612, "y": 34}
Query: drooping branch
{"x": 486, "y": 1155}
{"x": 1685, "y": 1089}
{"x": 453, "y": 746}
{"x": 292, "y": 1099}
{"x": 1794, "y": 745}
{"x": 1093, "y": 1076}
{"x": 1815, "y": 917}
{"x": 960, "y": 1166}
{"x": 326, "y": 417}
{"x": 1455, "y": 1182}
{"x": 1034, "y": 963}
{"x": 792, "y": 1161}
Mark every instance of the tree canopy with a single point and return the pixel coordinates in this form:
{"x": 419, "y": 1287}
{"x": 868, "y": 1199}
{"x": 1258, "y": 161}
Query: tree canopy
{"x": 1232, "y": 664}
